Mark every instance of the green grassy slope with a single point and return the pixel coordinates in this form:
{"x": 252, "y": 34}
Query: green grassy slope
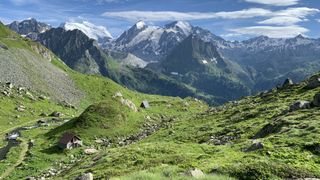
{"x": 111, "y": 120}
{"x": 222, "y": 140}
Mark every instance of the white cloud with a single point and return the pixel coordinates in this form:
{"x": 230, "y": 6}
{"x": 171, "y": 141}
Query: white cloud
{"x": 318, "y": 20}
{"x": 275, "y": 2}
{"x": 271, "y": 31}
{"x": 174, "y": 15}
{"x": 300, "y": 12}
{"x": 290, "y": 16}
{"x": 291, "y": 13}
{"x": 281, "y": 20}
{"x": 284, "y": 21}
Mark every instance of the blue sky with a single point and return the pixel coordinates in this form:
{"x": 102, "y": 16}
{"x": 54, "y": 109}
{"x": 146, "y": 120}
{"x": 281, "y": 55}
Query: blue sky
{"x": 231, "y": 19}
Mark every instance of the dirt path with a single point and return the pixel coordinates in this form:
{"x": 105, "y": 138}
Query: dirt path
{"x": 24, "y": 146}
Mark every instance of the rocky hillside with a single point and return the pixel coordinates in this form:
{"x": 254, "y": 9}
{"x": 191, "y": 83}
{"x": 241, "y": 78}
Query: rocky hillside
{"x": 30, "y": 65}
{"x": 76, "y": 49}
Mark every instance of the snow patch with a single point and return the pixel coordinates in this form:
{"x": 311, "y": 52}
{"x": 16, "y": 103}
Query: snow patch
{"x": 204, "y": 61}
{"x": 140, "y": 24}
{"x": 92, "y": 31}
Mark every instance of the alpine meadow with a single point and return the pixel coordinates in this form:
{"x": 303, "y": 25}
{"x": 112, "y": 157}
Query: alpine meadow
{"x": 153, "y": 90}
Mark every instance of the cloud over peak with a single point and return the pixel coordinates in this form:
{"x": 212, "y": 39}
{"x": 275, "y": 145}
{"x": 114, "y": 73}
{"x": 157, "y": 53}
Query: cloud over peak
{"x": 270, "y": 31}
{"x": 275, "y": 2}
{"x": 174, "y": 15}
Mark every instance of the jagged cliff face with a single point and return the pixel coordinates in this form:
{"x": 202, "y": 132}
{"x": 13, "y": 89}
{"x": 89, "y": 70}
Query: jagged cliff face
{"x": 76, "y": 49}
{"x": 30, "y": 27}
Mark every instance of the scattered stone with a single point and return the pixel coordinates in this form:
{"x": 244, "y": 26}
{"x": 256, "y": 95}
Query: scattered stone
{"x": 30, "y": 178}
{"x": 128, "y": 103}
{"x": 316, "y": 100}
{"x": 20, "y": 108}
{"x": 9, "y": 85}
{"x": 196, "y": 173}
{"x": 43, "y": 97}
{"x": 56, "y": 114}
{"x": 67, "y": 105}
{"x": 118, "y": 94}
{"x": 85, "y": 176}
{"x": 21, "y": 89}
{"x": 30, "y": 96}
{"x": 186, "y": 104}
{"x": 300, "y": 105}
{"x": 31, "y": 142}
{"x": 98, "y": 141}
{"x": 6, "y": 93}
{"x": 255, "y": 146}
{"x": 288, "y": 82}
{"x": 90, "y": 151}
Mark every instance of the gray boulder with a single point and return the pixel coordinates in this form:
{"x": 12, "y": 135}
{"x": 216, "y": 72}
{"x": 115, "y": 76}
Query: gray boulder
{"x": 196, "y": 173}
{"x": 85, "y": 176}
{"x": 313, "y": 82}
{"x": 300, "y": 105}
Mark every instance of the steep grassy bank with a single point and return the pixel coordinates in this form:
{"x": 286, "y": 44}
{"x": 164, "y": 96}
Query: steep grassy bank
{"x": 254, "y": 138}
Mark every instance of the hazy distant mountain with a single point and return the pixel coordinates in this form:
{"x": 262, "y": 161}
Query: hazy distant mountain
{"x": 271, "y": 60}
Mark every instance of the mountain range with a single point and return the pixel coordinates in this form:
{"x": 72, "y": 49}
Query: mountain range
{"x": 113, "y": 132}
{"x": 183, "y": 55}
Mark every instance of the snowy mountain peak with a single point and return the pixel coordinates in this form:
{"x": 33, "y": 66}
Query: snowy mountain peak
{"x": 140, "y": 25}
{"x": 300, "y": 36}
{"x": 99, "y": 33}
{"x": 181, "y": 26}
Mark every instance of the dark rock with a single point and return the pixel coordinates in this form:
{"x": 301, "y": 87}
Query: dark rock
{"x": 271, "y": 128}
{"x": 255, "y": 146}
{"x": 288, "y": 82}
{"x": 43, "y": 114}
{"x": 43, "y": 97}
{"x": 313, "y": 82}
{"x": 316, "y": 100}
{"x": 300, "y": 105}
{"x": 56, "y": 114}
{"x": 41, "y": 121}
{"x": 2, "y": 46}
{"x": 9, "y": 85}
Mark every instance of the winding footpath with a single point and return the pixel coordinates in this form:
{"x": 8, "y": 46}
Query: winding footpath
{"x": 24, "y": 146}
